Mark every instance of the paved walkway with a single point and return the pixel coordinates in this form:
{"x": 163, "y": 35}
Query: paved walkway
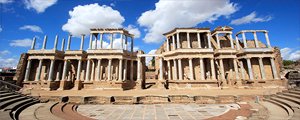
{"x": 155, "y": 112}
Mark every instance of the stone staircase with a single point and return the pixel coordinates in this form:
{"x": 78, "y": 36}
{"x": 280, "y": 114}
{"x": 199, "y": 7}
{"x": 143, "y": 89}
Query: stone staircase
{"x": 284, "y": 105}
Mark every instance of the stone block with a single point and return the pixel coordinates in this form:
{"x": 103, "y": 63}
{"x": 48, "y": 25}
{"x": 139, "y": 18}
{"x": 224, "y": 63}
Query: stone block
{"x": 205, "y": 99}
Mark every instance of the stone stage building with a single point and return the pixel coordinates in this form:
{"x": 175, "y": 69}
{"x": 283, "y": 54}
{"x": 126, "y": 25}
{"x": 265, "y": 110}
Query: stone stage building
{"x": 190, "y": 58}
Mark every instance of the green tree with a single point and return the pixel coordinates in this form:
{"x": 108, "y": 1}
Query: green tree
{"x": 287, "y": 62}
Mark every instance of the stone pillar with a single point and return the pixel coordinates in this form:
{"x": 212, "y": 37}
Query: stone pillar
{"x": 64, "y": 70}
{"x": 122, "y": 42}
{"x": 208, "y": 40}
{"x": 255, "y": 40}
{"x": 93, "y": 71}
{"x": 168, "y": 46}
{"x": 27, "y": 70}
{"x": 267, "y": 39}
{"x": 112, "y": 41}
{"x": 58, "y": 72}
{"x": 109, "y": 69}
{"x": 180, "y": 69}
{"x": 202, "y": 75}
{"x": 99, "y": 70}
{"x": 275, "y": 75}
{"x": 188, "y": 40}
{"x": 222, "y": 69}
{"x": 95, "y": 45}
{"x": 125, "y": 71}
{"x": 38, "y": 74}
{"x": 62, "y": 45}
{"x": 126, "y": 39}
{"x": 139, "y": 69}
{"x": 191, "y": 68}
{"x": 131, "y": 70}
{"x": 175, "y": 69}
{"x": 173, "y": 40}
{"x": 212, "y": 68}
{"x": 237, "y": 43}
{"x": 231, "y": 41}
{"x": 78, "y": 70}
{"x": 237, "y": 77}
{"x": 44, "y": 43}
{"x": 33, "y": 43}
{"x": 178, "y": 40}
{"x": 242, "y": 69}
{"x": 131, "y": 44}
{"x": 249, "y": 68}
{"x": 87, "y": 76}
{"x": 120, "y": 69}
{"x": 161, "y": 73}
{"x": 50, "y": 77}
{"x": 82, "y": 42}
{"x": 101, "y": 40}
{"x": 199, "y": 40}
{"x": 169, "y": 70}
{"x": 91, "y": 41}
{"x": 55, "y": 42}
{"x": 69, "y": 42}
{"x": 244, "y": 40}
{"x": 218, "y": 41}
{"x": 261, "y": 67}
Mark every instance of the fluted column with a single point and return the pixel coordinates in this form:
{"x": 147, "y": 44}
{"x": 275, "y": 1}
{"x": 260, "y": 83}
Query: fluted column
{"x": 55, "y": 42}
{"x": 222, "y": 69}
{"x": 95, "y": 45}
{"x": 91, "y": 41}
{"x": 50, "y": 77}
{"x": 267, "y": 39}
{"x": 112, "y": 41}
{"x": 131, "y": 44}
{"x": 87, "y": 75}
{"x": 125, "y": 70}
{"x": 237, "y": 43}
{"x": 126, "y": 39}
{"x": 255, "y": 40}
{"x": 62, "y": 45}
{"x": 275, "y": 75}
{"x": 199, "y": 40}
{"x": 231, "y": 41}
{"x": 173, "y": 40}
{"x": 122, "y": 42}
{"x": 202, "y": 75}
{"x": 191, "y": 68}
{"x": 169, "y": 70}
{"x": 64, "y": 70}
{"x": 139, "y": 69}
{"x": 244, "y": 40}
{"x": 27, "y": 70}
{"x": 175, "y": 69}
{"x": 82, "y": 42}
{"x": 78, "y": 70}
{"x": 120, "y": 69}
{"x": 131, "y": 70}
{"x": 237, "y": 77}
{"x": 249, "y": 68}
{"x": 101, "y": 40}
{"x": 93, "y": 70}
{"x": 58, "y": 72}
{"x": 38, "y": 74}
{"x": 178, "y": 40}
{"x": 33, "y": 43}
{"x": 161, "y": 74}
{"x": 262, "y": 69}
{"x": 212, "y": 68}
{"x": 69, "y": 42}
{"x": 44, "y": 43}
{"x": 168, "y": 46}
{"x": 209, "y": 40}
{"x": 188, "y": 39}
{"x": 180, "y": 69}
{"x": 99, "y": 70}
{"x": 109, "y": 69}
{"x": 218, "y": 40}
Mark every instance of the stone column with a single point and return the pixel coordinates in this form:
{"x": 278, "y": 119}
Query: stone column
{"x": 249, "y": 68}
{"x": 125, "y": 70}
{"x": 175, "y": 69}
{"x": 91, "y": 41}
{"x": 191, "y": 68}
{"x": 275, "y": 75}
{"x": 109, "y": 69}
{"x": 242, "y": 69}
{"x": 82, "y": 42}
{"x": 112, "y": 41}
{"x": 55, "y": 42}
{"x": 64, "y": 70}
{"x": 78, "y": 70}
{"x": 96, "y": 37}
{"x": 173, "y": 40}
{"x": 202, "y": 75}
{"x": 168, "y": 46}
{"x": 101, "y": 40}
{"x": 50, "y": 77}
{"x": 87, "y": 76}
{"x": 188, "y": 39}
{"x": 38, "y": 74}
{"x": 255, "y": 40}
{"x": 222, "y": 69}
{"x": 244, "y": 40}
{"x": 62, "y": 45}
{"x": 139, "y": 69}
{"x": 212, "y": 68}
{"x": 44, "y": 43}
{"x": 126, "y": 39}
{"x": 27, "y": 70}
{"x": 120, "y": 69}
{"x": 169, "y": 70}
{"x": 99, "y": 70}
{"x": 237, "y": 43}
{"x": 33, "y": 43}
{"x": 131, "y": 44}
{"x": 199, "y": 40}
{"x": 237, "y": 77}
{"x": 69, "y": 42}
{"x": 267, "y": 39}
{"x": 122, "y": 42}
{"x": 180, "y": 69}
{"x": 231, "y": 41}
{"x": 58, "y": 72}
{"x": 161, "y": 73}
{"x": 218, "y": 41}
{"x": 208, "y": 40}
{"x": 178, "y": 40}
{"x": 93, "y": 70}
{"x": 131, "y": 70}
{"x": 262, "y": 69}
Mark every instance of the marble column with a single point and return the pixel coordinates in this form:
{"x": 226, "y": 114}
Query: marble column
{"x": 131, "y": 70}
{"x": 161, "y": 73}
{"x": 120, "y": 69}
{"x": 55, "y": 42}
{"x": 131, "y": 44}
{"x": 249, "y": 68}
{"x": 99, "y": 70}
{"x": 237, "y": 43}
{"x": 202, "y": 75}
{"x": 50, "y": 77}
{"x": 255, "y": 40}
{"x": 88, "y": 68}
{"x": 62, "y": 45}
{"x": 180, "y": 69}
{"x": 237, "y": 77}
{"x": 139, "y": 69}
{"x": 212, "y": 68}
{"x": 109, "y": 69}
{"x": 199, "y": 40}
{"x": 218, "y": 41}
{"x": 96, "y": 41}
{"x": 231, "y": 41}
{"x": 222, "y": 69}
{"x": 175, "y": 69}
{"x": 178, "y": 40}
{"x": 91, "y": 41}
{"x": 168, "y": 46}
{"x": 112, "y": 41}
{"x": 267, "y": 39}
{"x": 191, "y": 69}
{"x": 275, "y": 75}
{"x": 122, "y": 41}
{"x": 93, "y": 70}
{"x": 244, "y": 40}
{"x": 261, "y": 67}
{"x": 33, "y": 43}
{"x": 125, "y": 71}
{"x": 69, "y": 42}
{"x": 38, "y": 74}
{"x": 58, "y": 72}
{"x": 126, "y": 39}
{"x": 78, "y": 70}
{"x": 242, "y": 69}
{"x": 169, "y": 70}
{"x": 173, "y": 40}
{"x": 208, "y": 40}
{"x": 27, "y": 73}
{"x": 82, "y": 42}
{"x": 64, "y": 70}
{"x": 44, "y": 43}
{"x": 101, "y": 40}
{"x": 188, "y": 40}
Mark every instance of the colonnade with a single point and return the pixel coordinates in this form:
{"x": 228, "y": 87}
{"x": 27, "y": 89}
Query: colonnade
{"x": 226, "y": 34}
{"x": 94, "y": 37}
{"x": 254, "y": 32}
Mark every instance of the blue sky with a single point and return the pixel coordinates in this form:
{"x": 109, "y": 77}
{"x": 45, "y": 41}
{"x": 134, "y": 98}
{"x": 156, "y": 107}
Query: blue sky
{"x": 21, "y": 20}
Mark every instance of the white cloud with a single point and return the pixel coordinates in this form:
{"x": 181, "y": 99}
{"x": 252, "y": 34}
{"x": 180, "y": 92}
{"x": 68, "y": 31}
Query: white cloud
{"x": 169, "y": 14}
{"x": 83, "y": 18}
{"x": 39, "y": 5}
{"x": 148, "y": 59}
{"x": 134, "y": 30}
{"x": 8, "y": 62}
{"x": 289, "y": 54}
{"x": 4, "y": 52}
{"x": 0, "y": 28}
{"x": 250, "y": 18}
{"x": 21, "y": 43}
{"x": 6, "y": 1}
{"x": 33, "y": 28}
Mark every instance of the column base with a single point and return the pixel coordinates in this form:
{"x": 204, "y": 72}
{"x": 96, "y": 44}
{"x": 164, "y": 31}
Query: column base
{"x": 62, "y": 85}
{"x": 138, "y": 85}
{"x": 77, "y": 85}
{"x": 160, "y": 84}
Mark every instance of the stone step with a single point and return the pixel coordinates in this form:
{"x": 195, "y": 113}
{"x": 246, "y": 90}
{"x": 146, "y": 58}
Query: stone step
{"x": 291, "y": 95}
{"x": 11, "y": 101}
{"x": 15, "y": 114}
{"x": 17, "y": 104}
{"x": 70, "y": 110}
{"x": 275, "y": 108}
{"x": 9, "y": 97}
{"x": 29, "y": 113}
{"x": 43, "y": 112}
{"x": 285, "y": 102}
{"x": 292, "y": 99}
{"x": 57, "y": 110}
{"x": 294, "y": 92}
{"x": 3, "y": 91}
{"x": 4, "y": 115}
{"x": 6, "y": 94}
